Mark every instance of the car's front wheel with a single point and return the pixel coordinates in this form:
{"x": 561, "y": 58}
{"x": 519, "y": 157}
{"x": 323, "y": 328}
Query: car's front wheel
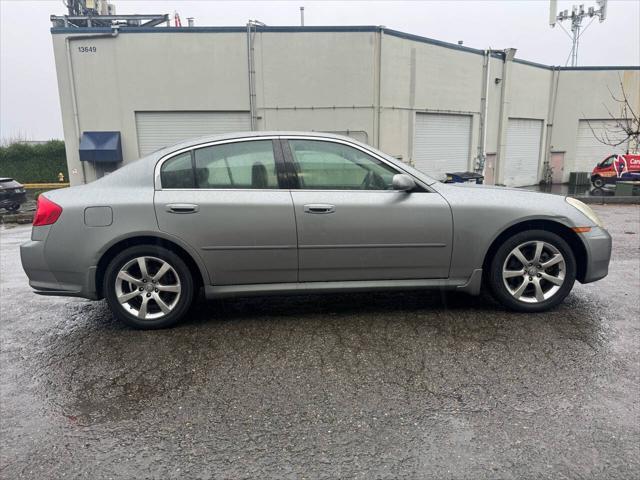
{"x": 598, "y": 182}
{"x": 532, "y": 271}
{"x": 148, "y": 287}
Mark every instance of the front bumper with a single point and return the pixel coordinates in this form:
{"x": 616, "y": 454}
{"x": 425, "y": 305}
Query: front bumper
{"x": 598, "y": 246}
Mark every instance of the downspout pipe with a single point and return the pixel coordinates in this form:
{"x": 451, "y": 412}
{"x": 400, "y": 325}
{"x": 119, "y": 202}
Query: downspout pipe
{"x": 74, "y": 101}
{"x": 252, "y": 25}
{"x": 378, "y": 112}
{"x": 551, "y": 115}
{"x": 485, "y": 112}
{"x": 250, "y": 75}
{"x": 507, "y": 60}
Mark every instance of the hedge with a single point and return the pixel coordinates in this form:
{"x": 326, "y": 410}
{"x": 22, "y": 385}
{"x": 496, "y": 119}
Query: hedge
{"x": 39, "y": 163}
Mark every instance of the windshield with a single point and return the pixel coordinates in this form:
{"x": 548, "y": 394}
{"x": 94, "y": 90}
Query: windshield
{"x": 607, "y": 162}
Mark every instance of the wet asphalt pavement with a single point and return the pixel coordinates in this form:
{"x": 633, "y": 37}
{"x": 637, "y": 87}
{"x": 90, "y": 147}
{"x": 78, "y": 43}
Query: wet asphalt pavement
{"x": 384, "y": 385}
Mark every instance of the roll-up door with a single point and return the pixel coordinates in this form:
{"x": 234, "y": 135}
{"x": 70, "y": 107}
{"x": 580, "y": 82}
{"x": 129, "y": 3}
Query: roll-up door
{"x": 160, "y": 129}
{"x": 442, "y": 143}
{"x": 522, "y": 155}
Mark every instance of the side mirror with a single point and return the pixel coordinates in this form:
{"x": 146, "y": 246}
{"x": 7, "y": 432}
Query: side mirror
{"x": 403, "y": 182}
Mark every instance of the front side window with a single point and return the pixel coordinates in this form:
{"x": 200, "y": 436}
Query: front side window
{"x": 333, "y": 166}
{"x": 236, "y": 165}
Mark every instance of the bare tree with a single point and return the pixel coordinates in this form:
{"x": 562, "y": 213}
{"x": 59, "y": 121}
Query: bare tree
{"x": 625, "y": 126}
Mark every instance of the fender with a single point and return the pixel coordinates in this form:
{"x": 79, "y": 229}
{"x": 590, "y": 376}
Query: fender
{"x": 195, "y": 256}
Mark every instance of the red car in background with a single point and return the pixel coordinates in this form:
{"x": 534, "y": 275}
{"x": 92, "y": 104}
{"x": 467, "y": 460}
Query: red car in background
{"x": 615, "y": 168}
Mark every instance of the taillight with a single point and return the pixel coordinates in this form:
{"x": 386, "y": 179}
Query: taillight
{"x": 47, "y": 212}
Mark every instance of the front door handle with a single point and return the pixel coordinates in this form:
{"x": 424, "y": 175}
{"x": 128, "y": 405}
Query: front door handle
{"x": 319, "y": 208}
{"x": 182, "y": 208}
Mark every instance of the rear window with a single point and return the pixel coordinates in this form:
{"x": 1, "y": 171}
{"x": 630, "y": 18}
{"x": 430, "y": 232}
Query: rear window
{"x": 9, "y": 183}
{"x": 238, "y": 165}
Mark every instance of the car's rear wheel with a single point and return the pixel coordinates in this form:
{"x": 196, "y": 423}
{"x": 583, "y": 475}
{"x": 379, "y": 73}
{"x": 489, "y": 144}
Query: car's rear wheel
{"x": 532, "y": 271}
{"x": 148, "y": 287}
{"x": 598, "y": 182}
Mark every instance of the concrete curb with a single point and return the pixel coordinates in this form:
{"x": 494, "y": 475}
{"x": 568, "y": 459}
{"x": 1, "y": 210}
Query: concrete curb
{"x": 608, "y": 200}
{"x": 19, "y": 218}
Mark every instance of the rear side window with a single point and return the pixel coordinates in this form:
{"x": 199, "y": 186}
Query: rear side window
{"x": 249, "y": 164}
{"x": 237, "y": 165}
{"x": 177, "y": 172}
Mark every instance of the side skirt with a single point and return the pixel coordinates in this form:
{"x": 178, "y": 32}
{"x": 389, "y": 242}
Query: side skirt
{"x": 469, "y": 285}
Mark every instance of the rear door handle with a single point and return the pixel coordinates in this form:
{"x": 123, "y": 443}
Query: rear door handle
{"x": 319, "y": 208}
{"x": 182, "y": 208}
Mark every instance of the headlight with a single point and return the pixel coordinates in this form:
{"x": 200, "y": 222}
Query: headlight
{"x": 585, "y": 210}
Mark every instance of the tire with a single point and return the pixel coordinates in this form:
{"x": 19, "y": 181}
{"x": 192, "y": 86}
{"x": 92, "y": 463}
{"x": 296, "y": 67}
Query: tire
{"x": 598, "y": 182}
{"x": 14, "y": 207}
{"x": 520, "y": 287}
{"x": 152, "y": 301}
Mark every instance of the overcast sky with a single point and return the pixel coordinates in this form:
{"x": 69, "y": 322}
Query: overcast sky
{"x": 29, "y": 105}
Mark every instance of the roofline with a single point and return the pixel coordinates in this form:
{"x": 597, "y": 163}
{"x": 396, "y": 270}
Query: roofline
{"x": 606, "y": 67}
{"x": 326, "y": 29}
{"x": 190, "y": 142}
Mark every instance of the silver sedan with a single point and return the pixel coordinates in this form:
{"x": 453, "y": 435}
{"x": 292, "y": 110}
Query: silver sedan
{"x": 281, "y": 213}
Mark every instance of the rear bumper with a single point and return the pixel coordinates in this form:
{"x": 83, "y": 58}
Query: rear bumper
{"x": 598, "y": 245}
{"x": 46, "y": 282}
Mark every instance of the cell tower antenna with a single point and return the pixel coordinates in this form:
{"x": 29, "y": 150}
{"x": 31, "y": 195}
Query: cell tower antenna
{"x": 577, "y": 15}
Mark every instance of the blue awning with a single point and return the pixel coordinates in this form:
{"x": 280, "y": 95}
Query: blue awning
{"x": 101, "y": 147}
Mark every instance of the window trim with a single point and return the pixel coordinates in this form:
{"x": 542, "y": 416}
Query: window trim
{"x": 277, "y": 155}
{"x": 284, "y": 164}
{"x": 293, "y": 175}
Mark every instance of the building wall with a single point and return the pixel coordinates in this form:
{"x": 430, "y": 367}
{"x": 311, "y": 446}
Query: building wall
{"x": 587, "y": 94}
{"x": 420, "y": 77}
{"x": 528, "y": 98}
{"x": 318, "y": 84}
{"x": 364, "y": 80}
{"x": 143, "y": 72}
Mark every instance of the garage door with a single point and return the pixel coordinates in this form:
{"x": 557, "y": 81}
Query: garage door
{"x": 442, "y": 143}
{"x": 589, "y": 150}
{"x": 522, "y": 155}
{"x": 161, "y": 129}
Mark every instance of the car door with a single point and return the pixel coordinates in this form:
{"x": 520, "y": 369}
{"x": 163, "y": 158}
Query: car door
{"x": 226, "y": 201}
{"x": 353, "y": 226}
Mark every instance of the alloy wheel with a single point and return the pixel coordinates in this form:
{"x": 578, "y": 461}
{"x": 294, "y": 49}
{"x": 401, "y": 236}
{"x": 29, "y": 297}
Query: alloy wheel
{"x": 534, "y": 271}
{"x": 148, "y": 287}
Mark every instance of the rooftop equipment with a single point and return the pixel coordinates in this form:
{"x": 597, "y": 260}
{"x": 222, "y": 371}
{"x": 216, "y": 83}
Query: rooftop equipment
{"x": 576, "y": 16}
{"x": 101, "y": 13}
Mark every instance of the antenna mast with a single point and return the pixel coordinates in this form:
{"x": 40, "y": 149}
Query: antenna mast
{"x": 578, "y": 13}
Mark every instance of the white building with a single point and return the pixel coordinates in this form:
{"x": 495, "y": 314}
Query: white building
{"x": 436, "y": 105}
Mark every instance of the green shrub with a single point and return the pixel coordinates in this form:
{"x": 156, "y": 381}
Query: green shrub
{"x": 38, "y": 163}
